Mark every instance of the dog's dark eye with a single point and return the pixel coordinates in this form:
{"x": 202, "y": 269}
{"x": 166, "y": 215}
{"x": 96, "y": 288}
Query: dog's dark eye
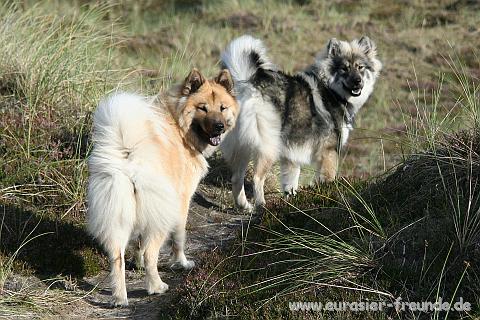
{"x": 222, "y": 108}
{"x": 361, "y": 68}
{"x": 202, "y": 107}
{"x": 344, "y": 68}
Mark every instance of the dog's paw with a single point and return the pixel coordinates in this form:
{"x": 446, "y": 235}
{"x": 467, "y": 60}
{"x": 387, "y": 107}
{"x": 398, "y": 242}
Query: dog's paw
{"x": 247, "y": 207}
{"x": 139, "y": 263}
{"x": 289, "y": 191}
{"x": 186, "y": 265}
{"x": 157, "y": 287}
{"x": 119, "y": 301}
{"x": 259, "y": 202}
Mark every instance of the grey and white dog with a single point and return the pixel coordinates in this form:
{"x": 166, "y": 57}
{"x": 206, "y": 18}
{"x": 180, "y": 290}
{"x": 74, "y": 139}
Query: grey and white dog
{"x": 299, "y": 119}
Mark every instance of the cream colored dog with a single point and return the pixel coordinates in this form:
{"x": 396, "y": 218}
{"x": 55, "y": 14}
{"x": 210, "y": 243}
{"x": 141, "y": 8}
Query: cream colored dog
{"x": 147, "y": 160}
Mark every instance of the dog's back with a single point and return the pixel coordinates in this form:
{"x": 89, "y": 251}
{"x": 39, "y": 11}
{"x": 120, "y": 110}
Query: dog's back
{"x": 259, "y": 124}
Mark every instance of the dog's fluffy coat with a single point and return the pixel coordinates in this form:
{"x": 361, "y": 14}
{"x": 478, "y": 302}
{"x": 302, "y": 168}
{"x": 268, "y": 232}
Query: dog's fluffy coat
{"x": 300, "y": 119}
{"x": 147, "y": 160}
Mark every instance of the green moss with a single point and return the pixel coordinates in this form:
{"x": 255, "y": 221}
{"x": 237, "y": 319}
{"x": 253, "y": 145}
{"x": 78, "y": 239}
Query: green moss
{"x": 92, "y": 261}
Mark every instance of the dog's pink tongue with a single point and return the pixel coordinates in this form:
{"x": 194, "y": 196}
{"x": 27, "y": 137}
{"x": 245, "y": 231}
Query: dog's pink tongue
{"x": 215, "y": 141}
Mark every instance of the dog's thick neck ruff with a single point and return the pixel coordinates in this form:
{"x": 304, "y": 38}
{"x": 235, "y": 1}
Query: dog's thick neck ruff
{"x": 349, "y": 70}
{"x": 340, "y": 107}
{"x": 345, "y": 108}
{"x": 172, "y": 105}
{"x": 348, "y": 109}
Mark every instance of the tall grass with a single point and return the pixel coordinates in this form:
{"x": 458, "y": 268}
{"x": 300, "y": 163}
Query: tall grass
{"x": 454, "y": 159}
{"x": 468, "y": 90}
{"x": 54, "y": 69}
{"x": 429, "y": 122}
{"x": 300, "y": 259}
{"x": 54, "y": 65}
{"x": 7, "y": 263}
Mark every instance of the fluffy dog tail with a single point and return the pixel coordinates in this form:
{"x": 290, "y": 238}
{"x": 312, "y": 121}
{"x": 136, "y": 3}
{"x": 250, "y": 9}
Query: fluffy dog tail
{"x": 111, "y": 199}
{"x": 244, "y": 56}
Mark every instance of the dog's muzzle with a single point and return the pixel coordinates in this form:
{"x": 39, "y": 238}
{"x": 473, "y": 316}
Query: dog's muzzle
{"x": 355, "y": 89}
{"x": 215, "y": 138}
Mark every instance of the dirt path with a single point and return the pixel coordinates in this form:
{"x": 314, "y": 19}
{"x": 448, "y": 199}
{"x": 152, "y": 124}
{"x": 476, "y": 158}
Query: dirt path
{"x": 212, "y": 223}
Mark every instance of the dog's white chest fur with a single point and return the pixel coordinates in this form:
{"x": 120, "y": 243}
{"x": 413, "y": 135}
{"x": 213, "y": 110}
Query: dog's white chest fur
{"x": 298, "y": 153}
{"x": 345, "y": 132}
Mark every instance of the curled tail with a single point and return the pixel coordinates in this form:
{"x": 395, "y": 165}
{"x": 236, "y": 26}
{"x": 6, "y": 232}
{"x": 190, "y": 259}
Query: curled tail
{"x": 111, "y": 209}
{"x": 244, "y": 56}
{"x": 111, "y": 200}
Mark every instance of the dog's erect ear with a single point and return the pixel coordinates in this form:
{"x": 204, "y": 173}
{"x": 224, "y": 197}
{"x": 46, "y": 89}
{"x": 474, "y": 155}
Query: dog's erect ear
{"x": 333, "y": 47}
{"x": 224, "y": 79}
{"x": 368, "y": 45}
{"x": 194, "y": 81}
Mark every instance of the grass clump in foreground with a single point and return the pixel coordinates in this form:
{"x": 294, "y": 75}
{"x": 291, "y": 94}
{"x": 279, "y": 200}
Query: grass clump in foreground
{"x": 412, "y": 233}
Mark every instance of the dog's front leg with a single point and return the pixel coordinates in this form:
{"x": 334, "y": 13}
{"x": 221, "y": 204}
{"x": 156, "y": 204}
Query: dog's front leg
{"x": 290, "y": 173}
{"x": 239, "y": 169}
{"x": 178, "y": 246}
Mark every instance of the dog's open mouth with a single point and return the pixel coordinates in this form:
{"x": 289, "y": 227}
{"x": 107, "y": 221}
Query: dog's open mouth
{"x": 212, "y": 138}
{"x": 214, "y": 141}
{"x": 353, "y": 91}
{"x": 356, "y": 92}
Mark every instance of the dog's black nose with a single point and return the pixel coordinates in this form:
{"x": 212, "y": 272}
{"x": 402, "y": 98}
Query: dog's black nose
{"x": 357, "y": 81}
{"x": 218, "y": 127}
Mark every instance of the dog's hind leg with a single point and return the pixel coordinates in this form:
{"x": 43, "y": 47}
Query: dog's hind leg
{"x": 290, "y": 173}
{"x": 239, "y": 166}
{"x": 263, "y": 163}
{"x": 117, "y": 275}
{"x": 111, "y": 219}
{"x": 151, "y": 248}
{"x": 326, "y": 166}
